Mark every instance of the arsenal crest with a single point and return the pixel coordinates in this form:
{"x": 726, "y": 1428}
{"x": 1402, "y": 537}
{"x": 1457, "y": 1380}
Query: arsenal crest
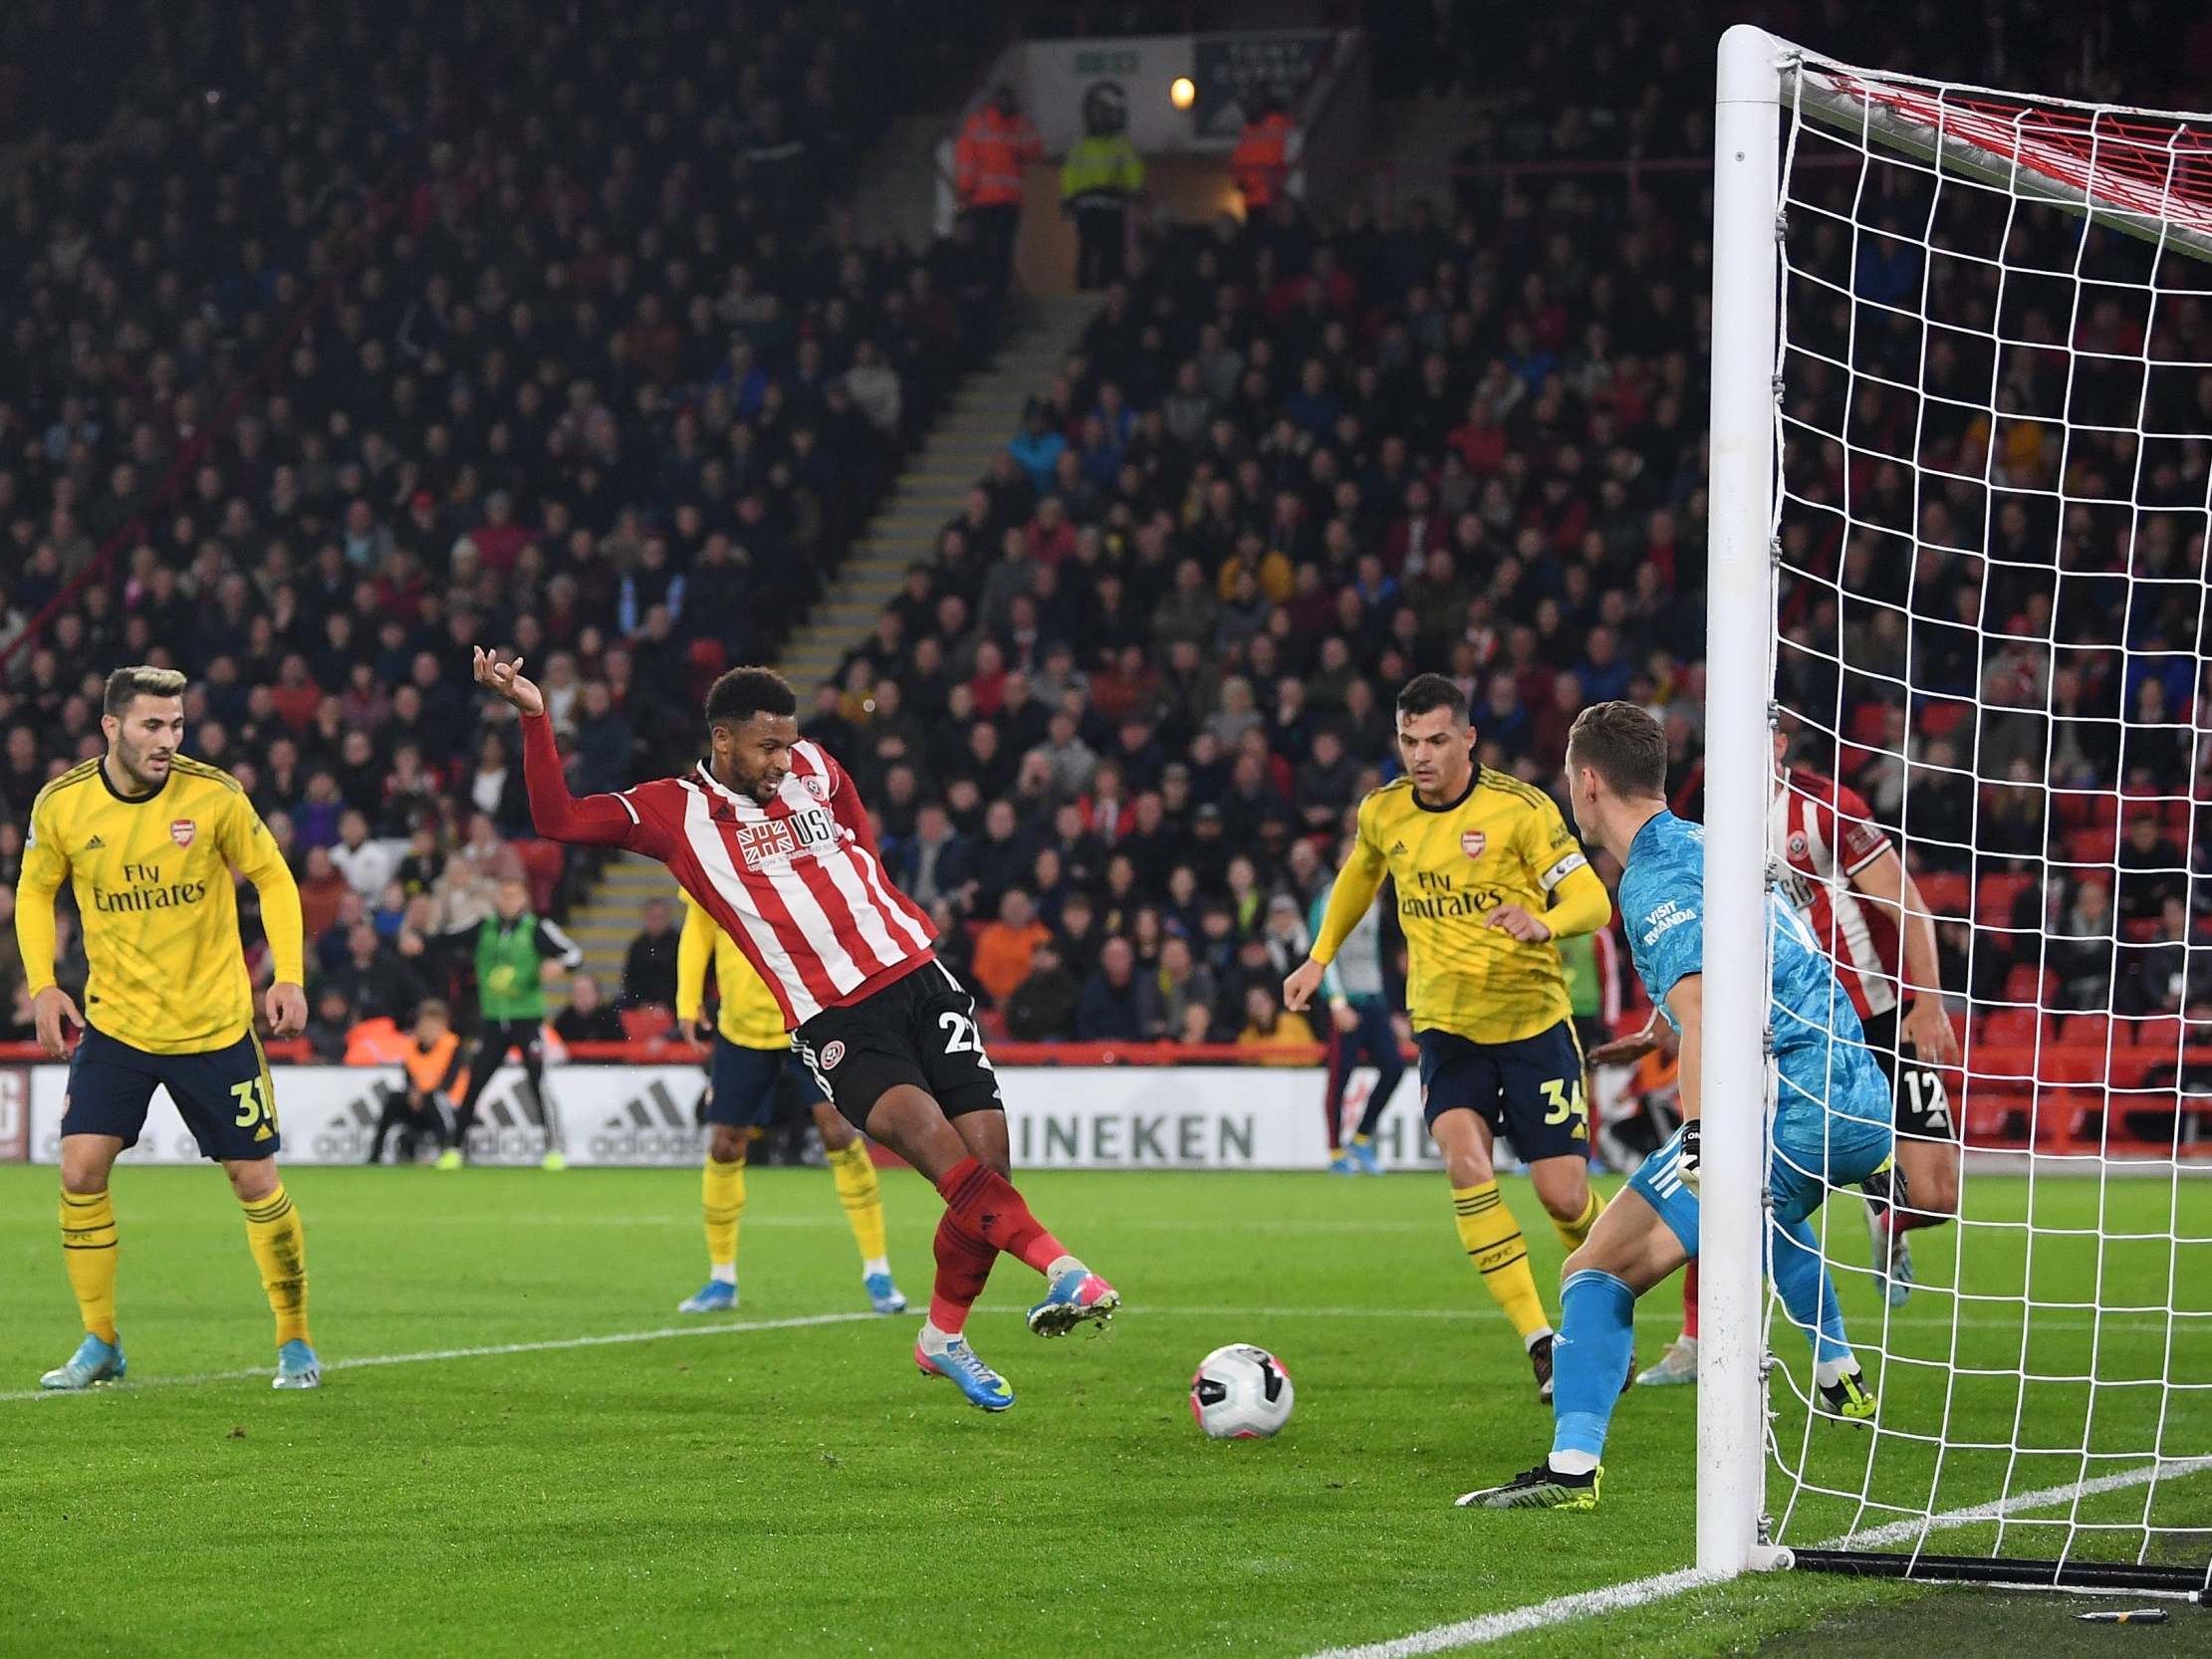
{"x": 1472, "y": 842}
{"x": 181, "y": 831}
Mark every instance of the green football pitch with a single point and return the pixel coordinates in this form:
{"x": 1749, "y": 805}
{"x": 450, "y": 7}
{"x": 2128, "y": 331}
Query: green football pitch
{"x": 621, "y": 1478}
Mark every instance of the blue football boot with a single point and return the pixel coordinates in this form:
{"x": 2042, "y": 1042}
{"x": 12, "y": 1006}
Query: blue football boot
{"x": 716, "y": 1295}
{"x": 1077, "y": 1295}
{"x": 956, "y": 1361}
{"x": 884, "y": 1296}
{"x": 94, "y": 1364}
{"x": 297, "y": 1367}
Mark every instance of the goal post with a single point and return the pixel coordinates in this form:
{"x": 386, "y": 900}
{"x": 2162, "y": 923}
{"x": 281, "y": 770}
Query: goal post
{"x": 1960, "y": 495}
{"x": 1731, "y": 1418}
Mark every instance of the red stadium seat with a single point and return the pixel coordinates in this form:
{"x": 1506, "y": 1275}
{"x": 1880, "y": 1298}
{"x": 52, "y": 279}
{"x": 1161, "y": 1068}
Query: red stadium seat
{"x": 2092, "y": 845}
{"x": 2028, "y": 984}
{"x": 2155, "y": 1040}
{"x": 2007, "y": 1027}
{"x": 2058, "y": 1063}
{"x": 1993, "y": 899}
{"x": 2066, "y": 1117}
{"x": 707, "y": 659}
{"x": 2084, "y": 1031}
{"x": 1997, "y": 1114}
{"x": 1947, "y": 893}
{"x": 644, "y": 1025}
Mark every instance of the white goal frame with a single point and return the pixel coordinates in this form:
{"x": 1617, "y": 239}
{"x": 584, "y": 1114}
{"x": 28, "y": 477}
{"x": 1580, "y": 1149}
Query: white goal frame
{"x": 1761, "y": 78}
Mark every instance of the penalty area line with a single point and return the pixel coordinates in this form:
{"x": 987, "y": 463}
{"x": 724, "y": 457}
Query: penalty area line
{"x": 1637, "y": 1592}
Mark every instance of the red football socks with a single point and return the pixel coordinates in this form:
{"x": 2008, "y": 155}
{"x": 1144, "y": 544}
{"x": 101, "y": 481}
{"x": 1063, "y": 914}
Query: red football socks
{"x": 1689, "y": 1299}
{"x": 963, "y": 1264}
{"x": 989, "y": 1207}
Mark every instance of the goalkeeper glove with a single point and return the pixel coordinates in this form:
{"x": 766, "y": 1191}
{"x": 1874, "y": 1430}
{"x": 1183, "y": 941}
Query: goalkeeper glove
{"x": 1687, "y": 1161}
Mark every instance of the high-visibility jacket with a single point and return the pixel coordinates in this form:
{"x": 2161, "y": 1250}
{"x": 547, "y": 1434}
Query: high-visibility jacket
{"x": 1261, "y": 161}
{"x": 1101, "y": 171}
{"x": 987, "y": 162}
{"x": 437, "y": 1069}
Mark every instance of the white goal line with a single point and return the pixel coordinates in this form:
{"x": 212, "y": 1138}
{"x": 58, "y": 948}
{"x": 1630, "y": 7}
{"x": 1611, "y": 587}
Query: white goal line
{"x": 1637, "y": 1592}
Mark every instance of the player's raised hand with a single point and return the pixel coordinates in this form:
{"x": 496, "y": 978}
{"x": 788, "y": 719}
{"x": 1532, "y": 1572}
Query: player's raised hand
{"x": 1298, "y": 987}
{"x": 503, "y": 680}
{"x": 51, "y": 1014}
{"x": 287, "y": 1005}
{"x": 1530, "y": 930}
{"x": 1928, "y": 1029}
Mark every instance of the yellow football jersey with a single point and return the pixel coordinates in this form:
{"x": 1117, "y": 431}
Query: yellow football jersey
{"x": 158, "y": 903}
{"x": 1503, "y": 842}
{"x": 750, "y": 1016}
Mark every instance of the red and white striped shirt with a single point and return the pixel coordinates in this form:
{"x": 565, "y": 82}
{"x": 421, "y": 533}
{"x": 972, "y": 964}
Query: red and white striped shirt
{"x": 798, "y": 883}
{"x": 1825, "y": 834}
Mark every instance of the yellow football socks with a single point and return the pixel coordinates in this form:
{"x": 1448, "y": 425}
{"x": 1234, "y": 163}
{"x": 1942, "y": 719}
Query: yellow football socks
{"x": 279, "y": 1245}
{"x": 1494, "y": 1244}
{"x": 1573, "y": 1233}
{"x": 862, "y": 1196}
{"x": 721, "y": 1202}
{"x": 89, "y": 1252}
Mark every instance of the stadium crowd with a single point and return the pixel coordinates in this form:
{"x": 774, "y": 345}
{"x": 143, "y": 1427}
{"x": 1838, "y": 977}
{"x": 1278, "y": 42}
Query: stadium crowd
{"x": 1115, "y": 720}
{"x": 539, "y": 332}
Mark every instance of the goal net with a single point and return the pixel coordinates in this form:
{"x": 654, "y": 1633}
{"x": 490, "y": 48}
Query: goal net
{"x": 1968, "y": 479}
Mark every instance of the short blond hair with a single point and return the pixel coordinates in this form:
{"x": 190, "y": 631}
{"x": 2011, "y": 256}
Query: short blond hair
{"x": 141, "y": 680}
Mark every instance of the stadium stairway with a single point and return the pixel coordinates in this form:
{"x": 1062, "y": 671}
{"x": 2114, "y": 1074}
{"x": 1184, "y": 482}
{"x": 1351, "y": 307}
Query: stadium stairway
{"x": 604, "y": 926}
{"x": 961, "y": 447}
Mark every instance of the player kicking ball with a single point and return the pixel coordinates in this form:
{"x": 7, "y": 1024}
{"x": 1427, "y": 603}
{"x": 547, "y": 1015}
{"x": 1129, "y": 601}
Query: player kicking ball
{"x": 148, "y": 839}
{"x": 1831, "y": 1124}
{"x": 769, "y": 836}
{"x": 751, "y": 1054}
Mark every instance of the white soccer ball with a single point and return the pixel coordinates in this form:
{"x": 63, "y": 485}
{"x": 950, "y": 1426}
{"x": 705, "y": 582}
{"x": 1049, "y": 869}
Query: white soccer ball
{"x": 1240, "y": 1392}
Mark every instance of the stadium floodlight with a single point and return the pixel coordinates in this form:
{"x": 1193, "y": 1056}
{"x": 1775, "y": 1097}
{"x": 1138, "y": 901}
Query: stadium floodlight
{"x": 1961, "y": 478}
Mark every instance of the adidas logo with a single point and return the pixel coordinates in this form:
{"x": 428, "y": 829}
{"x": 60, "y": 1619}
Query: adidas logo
{"x": 658, "y": 1108}
{"x": 1397, "y": 849}
{"x": 94, "y": 845}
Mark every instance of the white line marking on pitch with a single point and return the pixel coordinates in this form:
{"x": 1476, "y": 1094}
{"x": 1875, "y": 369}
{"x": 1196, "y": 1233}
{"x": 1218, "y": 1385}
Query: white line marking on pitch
{"x": 805, "y": 1320}
{"x": 618, "y": 1338}
{"x": 1492, "y": 1627}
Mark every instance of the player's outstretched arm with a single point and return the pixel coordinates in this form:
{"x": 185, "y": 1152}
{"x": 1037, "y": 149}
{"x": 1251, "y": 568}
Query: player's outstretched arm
{"x": 594, "y": 821}
{"x": 1625, "y": 1050}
